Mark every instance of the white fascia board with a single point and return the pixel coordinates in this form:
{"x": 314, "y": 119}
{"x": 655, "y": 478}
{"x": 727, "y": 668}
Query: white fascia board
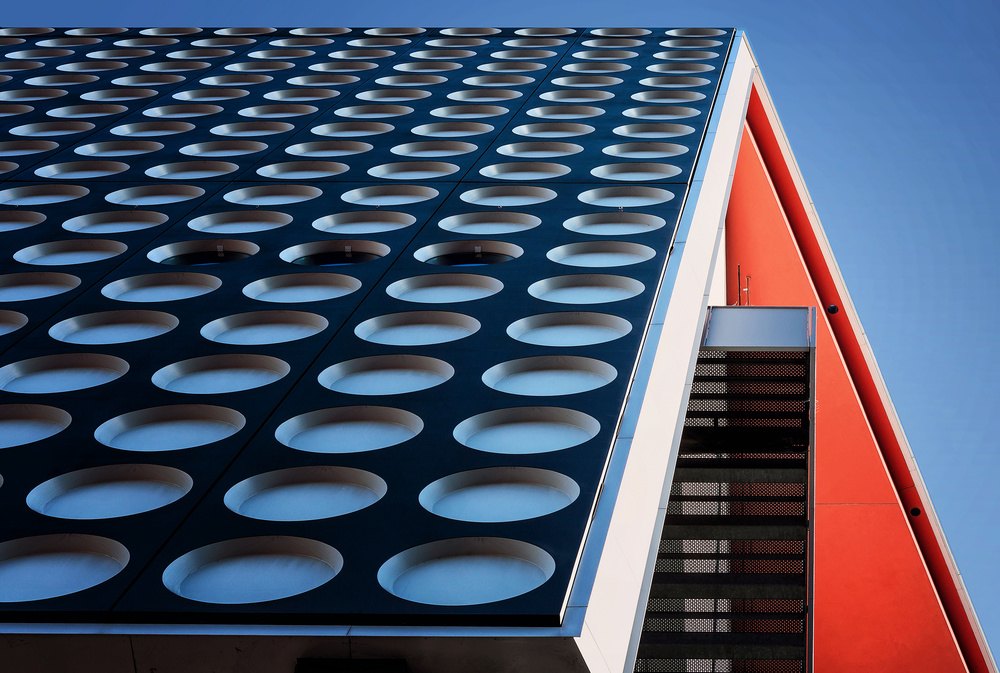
{"x": 621, "y": 583}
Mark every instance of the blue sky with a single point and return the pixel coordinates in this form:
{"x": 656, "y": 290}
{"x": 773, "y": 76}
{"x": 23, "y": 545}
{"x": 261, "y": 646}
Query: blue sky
{"x": 891, "y": 110}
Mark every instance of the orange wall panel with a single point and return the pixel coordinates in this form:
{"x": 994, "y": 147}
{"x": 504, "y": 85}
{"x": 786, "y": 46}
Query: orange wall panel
{"x": 875, "y": 605}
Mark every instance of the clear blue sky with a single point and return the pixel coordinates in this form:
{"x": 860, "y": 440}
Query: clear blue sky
{"x": 891, "y": 108}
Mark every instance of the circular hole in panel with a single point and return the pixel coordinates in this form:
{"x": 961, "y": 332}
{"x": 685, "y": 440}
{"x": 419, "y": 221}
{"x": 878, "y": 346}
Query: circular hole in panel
{"x": 446, "y": 54}
{"x": 245, "y": 31}
{"x": 457, "y": 42}
{"x": 236, "y": 80}
{"x": 145, "y": 80}
{"x": 489, "y": 223}
{"x": 470, "y": 31}
{"x": 113, "y": 327}
{"x": 301, "y": 287}
{"x": 62, "y": 42}
{"x": 146, "y": 129}
{"x": 507, "y": 67}
{"x": 385, "y": 375}
{"x": 549, "y": 375}
{"x": 695, "y": 32}
{"x": 92, "y": 66}
{"x": 12, "y": 220}
{"x": 378, "y": 42}
{"x": 223, "y": 148}
{"x": 143, "y": 42}
{"x": 319, "y": 31}
{"x": 361, "y": 53}
{"x": 302, "y": 170}
{"x": 466, "y": 571}
{"x": 605, "y": 55}
{"x": 60, "y": 80}
{"x": 223, "y": 42}
{"x": 14, "y": 109}
{"x": 26, "y": 423}
{"x": 26, "y": 31}
{"x": 363, "y": 222}
{"x": 680, "y": 68}
{"x": 444, "y": 288}
{"x": 183, "y": 111}
{"x": 412, "y": 170}
{"x": 393, "y": 94}
{"x": 35, "y": 285}
{"x": 585, "y": 81}
{"x": 273, "y": 195}
{"x": 202, "y": 252}
{"x": 417, "y": 328}
{"x": 6, "y": 167}
{"x": 57, "y": 253}
{"x": 621, "y": 32}
{"x": 259, "y": 66}
{"x": 240, "y": 222}
{"x": 305, "y": 493}
{"x": 329, "y": 148}
{"x": 13, "y": 148}
{"x": 645, "y": 150}
{"x": 565, "y": 112}
{"x": 200, "y": 53}
{"x": 161, "y": 287}
{"x": 342, "y": 67}
{"x": 434, "y": 148}
{"x": 587, "y": 288}
{"x": 81, "y": 170}
{"x": 540, "y": 150}
{"x": 175, "y": 66}
{"x": 569, "y": 329}
{"x": 281, "y": 53}
{"x": 523, "y": 430}
{"x": 301, "y": 94}
{"x": 524, "y": 170}
{"x": 661, "y": 113}
{"x": 613, "y": 43}
{"x": 544, "y": 32}
{"x": 690, "y": 43}
{"x": 469, "y": 111}
{"x": 668, "y": 96}
{"x": 614, "y": 223}
{"x": 484, "y": 95}
{"x": 216, "y": 374}
{"x": 118, "y": 94}
{"x": 686, "y": 55}
{"x": 334, "y": 253}
{"x": 251, "y": 129}
{"x": 46, "y": 566}
{"x": 575, "y": 96}
{"x": 373, "y": 111}
{"x": 553, "y": 130}
{"x": 109, "y": 491}
{"x": 61, "y": 373}
{"x": 38, "y": 53}
{"x": 414, "y": 80}
{"x": 264, "y": 327}
{"x": 534, "y": 42}
{"x": 211, "y": 94}
{"x": 496, "y": 494}
{"x": 33, "y": 195}
{"x": 170, "y": 428}
{"x": 674, "y": 81}
{"x": 389, "y": 195}
{"x": 625, "y": 197}
{"x": 498, "y": 80}
{"x": 153, "y": 195}
{"x": 119, "y": 148}
{"x": 11, "y": 321}
{"x": 252, "y": 570}
{"x": 352, "y": 129}
{"x": 348, "y": 429}
{"x": 452, "y": 129}
{"x": 47, "y": 129}
{"x": 635, "y": 171}
{"x": 519, "y": 195}
{"x": 278, "y": 111}
{"x": 654, "y": 130}
{"x": 601, "y": 254}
